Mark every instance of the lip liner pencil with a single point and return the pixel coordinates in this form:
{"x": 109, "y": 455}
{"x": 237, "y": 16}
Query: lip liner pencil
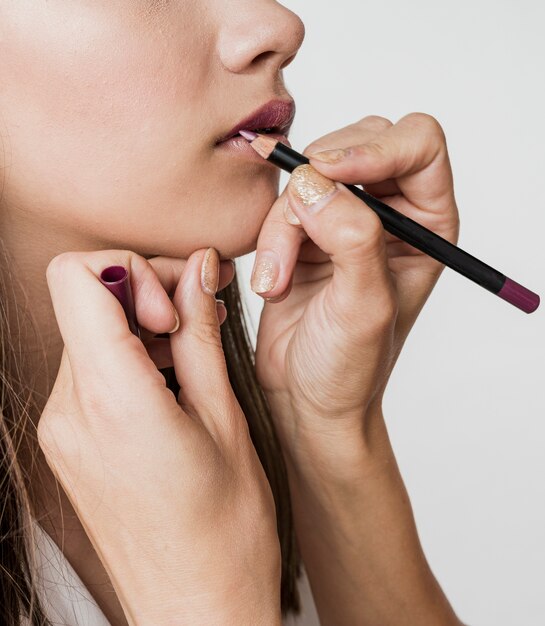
{"x": 410, "y": 231}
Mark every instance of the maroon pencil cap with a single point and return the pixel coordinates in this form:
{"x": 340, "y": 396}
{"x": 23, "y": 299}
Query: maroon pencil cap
{"x": 116, "y": 279}
{"x": 519, "y": 296}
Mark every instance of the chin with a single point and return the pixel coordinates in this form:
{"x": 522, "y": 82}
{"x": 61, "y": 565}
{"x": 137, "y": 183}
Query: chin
{"x": 231, "y": 249}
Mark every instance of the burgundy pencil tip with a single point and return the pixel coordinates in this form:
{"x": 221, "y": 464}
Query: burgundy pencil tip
{"x": 248, "y": 134}
{"x": 519, "y": 296}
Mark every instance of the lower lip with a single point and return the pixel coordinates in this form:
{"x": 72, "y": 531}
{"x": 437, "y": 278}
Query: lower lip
{"x": 239, "y": 145}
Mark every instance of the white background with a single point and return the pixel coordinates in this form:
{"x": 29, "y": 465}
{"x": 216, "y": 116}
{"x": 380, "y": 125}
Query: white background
{"x": 465, "y": 405}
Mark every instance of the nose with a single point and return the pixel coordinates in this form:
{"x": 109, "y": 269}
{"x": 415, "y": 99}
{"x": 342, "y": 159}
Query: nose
{"x": 259, "y": 33}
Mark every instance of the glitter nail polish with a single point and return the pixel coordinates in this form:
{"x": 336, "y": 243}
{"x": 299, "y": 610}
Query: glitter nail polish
{"x": 210, "y": 272}
{"x": 309, "y": 186}
{"x": 264, "y": 275}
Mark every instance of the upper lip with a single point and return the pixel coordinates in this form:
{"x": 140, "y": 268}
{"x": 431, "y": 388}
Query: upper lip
{"x": 277, "y": 114}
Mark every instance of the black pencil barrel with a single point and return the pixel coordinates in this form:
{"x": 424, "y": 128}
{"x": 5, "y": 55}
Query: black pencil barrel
{"x": 408, "y": 230}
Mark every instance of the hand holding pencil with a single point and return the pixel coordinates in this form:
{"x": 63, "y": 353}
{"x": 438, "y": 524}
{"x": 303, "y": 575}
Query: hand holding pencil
{"x": 413, "y": 146}
{"x": 355, "y": 289}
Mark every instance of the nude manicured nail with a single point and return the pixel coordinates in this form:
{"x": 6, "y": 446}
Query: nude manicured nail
{"x": 210, "y": 272}
{"x": 309, "y": 186}
{"x": 265, "y": 274}
{"x": 330, "y": 156}
{"x": 177, "y": 325}
{"x": 289, "y": 215}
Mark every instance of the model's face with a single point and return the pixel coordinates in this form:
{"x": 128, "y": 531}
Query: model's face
{"x": 109, "y": 113}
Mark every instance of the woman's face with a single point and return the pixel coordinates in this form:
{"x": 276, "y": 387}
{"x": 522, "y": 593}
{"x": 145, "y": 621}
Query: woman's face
{"x": 110, "y": 112}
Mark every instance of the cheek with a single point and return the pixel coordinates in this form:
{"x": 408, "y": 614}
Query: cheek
{"x": 97, "y": 113}
{"x": 92, "y": 112}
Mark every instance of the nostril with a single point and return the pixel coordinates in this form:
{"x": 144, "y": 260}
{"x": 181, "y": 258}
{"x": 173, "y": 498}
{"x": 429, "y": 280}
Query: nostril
{"x": 264, "y": 56}
{"x": 288, "y": 61}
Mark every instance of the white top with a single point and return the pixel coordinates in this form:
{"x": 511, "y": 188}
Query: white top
{"x": 67, "y": 602}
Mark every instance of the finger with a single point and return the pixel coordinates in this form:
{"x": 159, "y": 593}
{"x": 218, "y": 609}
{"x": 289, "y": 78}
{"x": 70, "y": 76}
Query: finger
{"x": 159, "y": 349}
{"x": 169, "y": 270}
{"x": 352, "y": 234}
{"x": 197, "y": 349}
{"x": 279, "y": 244}
{"x": 358, "y": 132}
{"x": 361, "y": 132}
{"x": 277, "y": 249}
{"x": 92, "y": 321}
{"x": 413, "y": 152}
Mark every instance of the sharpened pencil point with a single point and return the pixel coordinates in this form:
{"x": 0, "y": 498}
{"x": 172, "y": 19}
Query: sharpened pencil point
{"x": 248, "y": 134}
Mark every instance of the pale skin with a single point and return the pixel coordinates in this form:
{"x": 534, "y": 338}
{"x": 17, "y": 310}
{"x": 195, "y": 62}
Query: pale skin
{"x": 109, "y": 113}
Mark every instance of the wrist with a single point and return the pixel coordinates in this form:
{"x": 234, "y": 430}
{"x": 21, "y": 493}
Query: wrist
{"x": 151, "y": 594}
{"x": 332, "y": 448}
{"x": 349, "y": 500}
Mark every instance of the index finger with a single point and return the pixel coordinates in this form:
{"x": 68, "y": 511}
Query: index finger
{"x": 101, "y": 348}
{"x": 413, "y": 152}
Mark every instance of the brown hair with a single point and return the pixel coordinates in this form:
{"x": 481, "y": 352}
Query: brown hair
{"x": 18, "y": 594}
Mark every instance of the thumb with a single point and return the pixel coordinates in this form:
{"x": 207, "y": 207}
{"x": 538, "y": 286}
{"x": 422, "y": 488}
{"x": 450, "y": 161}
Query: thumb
{"x": 197, "y": 349}
{"x": 352, "y": 235}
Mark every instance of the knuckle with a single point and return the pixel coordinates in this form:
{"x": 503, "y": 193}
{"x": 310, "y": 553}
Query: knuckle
{"x": 53, "y": 431}
{"x": 374, "y": 122}
{"x": 390, "y": 308}
{"x": 276, "y": 225}
{"x": 373, "y": 147}
{"x": 381, "y": 317}
{"x": 207, "y": 333}
{"x": 234, "y": 423}
{"x": 426, "y": 123}
{"x": 381, "y": 323}
{"x": 45, "y": 429}
{"x": 350, "y": 236}
{"x": 59, "y": 264}
{"x": 95, "y": 398}
{"x": 361, "y": 234}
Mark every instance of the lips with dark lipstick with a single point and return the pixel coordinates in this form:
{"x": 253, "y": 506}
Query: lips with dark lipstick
{"x": 274, "y": 118}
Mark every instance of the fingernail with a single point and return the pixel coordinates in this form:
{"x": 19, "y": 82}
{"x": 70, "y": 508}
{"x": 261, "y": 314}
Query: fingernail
{"x": 275, "y": 299}
{"x": 289, "y": 215}
{"x": 221, "y": 311}
{"x": 265, "y": 273}
{"x": 177, "y": 322}
{"x": 309, "y": 186}
{"x": 210, "y": 272}
{"x": 330, "y": 156}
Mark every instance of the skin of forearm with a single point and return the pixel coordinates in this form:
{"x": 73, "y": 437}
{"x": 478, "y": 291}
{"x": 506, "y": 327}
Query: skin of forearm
{"x": 356, "y": 532}
{"x": 156, "y": 599}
